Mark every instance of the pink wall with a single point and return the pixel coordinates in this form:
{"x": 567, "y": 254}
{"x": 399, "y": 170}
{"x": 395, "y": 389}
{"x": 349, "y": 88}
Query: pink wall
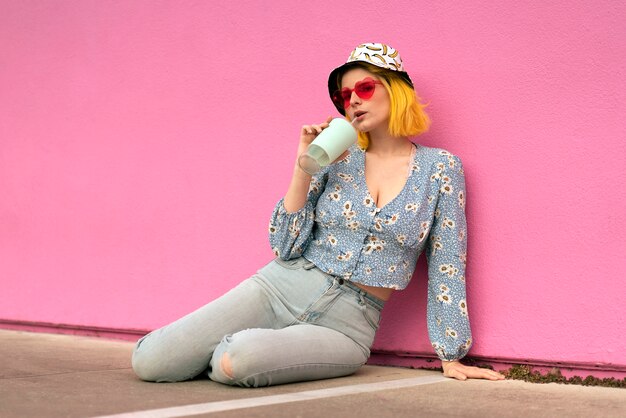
{"x": 143, "y": 145}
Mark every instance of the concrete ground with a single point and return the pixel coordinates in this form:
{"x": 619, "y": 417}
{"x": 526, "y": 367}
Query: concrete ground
{"x": 45, "y": 375}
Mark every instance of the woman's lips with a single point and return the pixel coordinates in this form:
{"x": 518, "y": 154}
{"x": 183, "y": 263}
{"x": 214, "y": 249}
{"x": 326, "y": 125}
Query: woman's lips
{"x": 359, "y": 115}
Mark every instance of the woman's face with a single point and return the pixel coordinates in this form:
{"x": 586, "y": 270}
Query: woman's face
{"x": 371, "y": 114}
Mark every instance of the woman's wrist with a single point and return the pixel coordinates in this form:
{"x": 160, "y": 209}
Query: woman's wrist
{"x": 300, "y": 175}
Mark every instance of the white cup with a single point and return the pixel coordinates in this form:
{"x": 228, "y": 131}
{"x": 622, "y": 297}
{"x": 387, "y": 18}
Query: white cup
{"x": 328, "y": 146}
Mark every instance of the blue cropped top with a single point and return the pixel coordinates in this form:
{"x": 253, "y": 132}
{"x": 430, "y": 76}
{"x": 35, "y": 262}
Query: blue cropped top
{"x": 345, "y": 234}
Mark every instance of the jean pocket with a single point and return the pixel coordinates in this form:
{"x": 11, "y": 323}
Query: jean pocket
{"x": 372, "y": 316}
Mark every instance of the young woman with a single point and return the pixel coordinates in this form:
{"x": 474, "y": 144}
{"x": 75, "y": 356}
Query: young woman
{"x": 345, "y": 240}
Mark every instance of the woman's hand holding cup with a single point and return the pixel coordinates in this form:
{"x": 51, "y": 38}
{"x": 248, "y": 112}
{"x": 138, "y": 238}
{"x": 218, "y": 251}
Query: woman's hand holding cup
{"x": 309, "y": 132}
{"x": 319, "y": 148}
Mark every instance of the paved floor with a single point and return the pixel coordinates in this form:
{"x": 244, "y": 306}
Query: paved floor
{"x": 45, "y": 375}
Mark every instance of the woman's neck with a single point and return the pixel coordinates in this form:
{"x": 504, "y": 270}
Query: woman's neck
{"x": 387, "y": 146}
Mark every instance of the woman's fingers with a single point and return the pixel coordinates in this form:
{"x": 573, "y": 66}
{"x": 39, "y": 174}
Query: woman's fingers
{"x": 462, "y": 372}
{"x": 455, "y": 373}
{"x": 492, "y": 375}
{"x": 315, "y": 129}
{"x": 477, "y": 372}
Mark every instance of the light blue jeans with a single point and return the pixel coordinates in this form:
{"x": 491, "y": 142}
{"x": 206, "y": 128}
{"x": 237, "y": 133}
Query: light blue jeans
{"x": 289, "y": 322}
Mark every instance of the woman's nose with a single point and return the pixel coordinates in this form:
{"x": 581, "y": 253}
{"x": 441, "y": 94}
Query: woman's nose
{"x": 354, "y": 98}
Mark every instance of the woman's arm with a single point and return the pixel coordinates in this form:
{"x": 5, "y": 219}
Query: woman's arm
{"x": 448, "y": 321}
{"x": 293, "y": 217}
{"x": 299, "y": 187}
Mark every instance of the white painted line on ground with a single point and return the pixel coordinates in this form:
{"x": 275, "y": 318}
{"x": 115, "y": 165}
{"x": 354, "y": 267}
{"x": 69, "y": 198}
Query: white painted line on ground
{"x": 220, "y": 406}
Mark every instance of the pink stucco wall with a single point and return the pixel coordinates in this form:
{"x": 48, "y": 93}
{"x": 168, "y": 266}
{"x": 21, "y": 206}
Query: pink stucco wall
{"x": 143, "y": 145}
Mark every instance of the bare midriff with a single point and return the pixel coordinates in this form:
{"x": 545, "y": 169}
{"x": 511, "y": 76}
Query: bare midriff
{"x": 383, "y": 293}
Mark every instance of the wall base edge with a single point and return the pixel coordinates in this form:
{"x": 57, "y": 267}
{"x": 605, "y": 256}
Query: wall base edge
{"x": 69, "y": 329}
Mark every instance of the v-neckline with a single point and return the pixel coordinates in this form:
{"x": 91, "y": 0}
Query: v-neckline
{"x": 406, "y": 182}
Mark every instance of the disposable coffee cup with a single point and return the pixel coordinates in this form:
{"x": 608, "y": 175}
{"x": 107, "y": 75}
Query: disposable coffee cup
{"x": 328, "y": 146}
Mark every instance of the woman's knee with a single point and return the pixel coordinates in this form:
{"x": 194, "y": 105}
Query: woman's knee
{"x": 226, "y": 365}
{"x": 232, "y": 361}
{"x": 144, "y": 365}
{"x": 151, "y": 365}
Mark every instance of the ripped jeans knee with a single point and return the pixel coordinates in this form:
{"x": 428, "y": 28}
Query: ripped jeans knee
{"x": 222, "y": 369}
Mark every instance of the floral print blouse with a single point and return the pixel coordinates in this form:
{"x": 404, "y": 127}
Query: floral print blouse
{"x": 345, "y": 234}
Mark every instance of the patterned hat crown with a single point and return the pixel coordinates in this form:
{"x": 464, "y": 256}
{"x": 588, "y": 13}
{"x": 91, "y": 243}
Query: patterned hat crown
{"x": 380, "y": 55}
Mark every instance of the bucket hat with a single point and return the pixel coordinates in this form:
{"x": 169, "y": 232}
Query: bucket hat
{"x": 377, "y": 54}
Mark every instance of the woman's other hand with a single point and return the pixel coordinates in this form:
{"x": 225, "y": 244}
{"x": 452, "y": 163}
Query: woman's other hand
{"x": 459, "y": 371}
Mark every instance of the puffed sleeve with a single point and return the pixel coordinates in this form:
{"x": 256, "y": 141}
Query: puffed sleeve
{"x": 447, "y": 317}
{"x": 290, "y": 233}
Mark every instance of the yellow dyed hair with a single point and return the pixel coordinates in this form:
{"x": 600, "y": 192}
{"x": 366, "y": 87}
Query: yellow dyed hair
{"x": 407, "y": 116}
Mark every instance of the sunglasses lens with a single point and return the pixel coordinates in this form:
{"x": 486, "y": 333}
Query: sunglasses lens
{"x": 346, "y": 95}
{"x": 338, "y": 99}
{"x": 365, "y": 89}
